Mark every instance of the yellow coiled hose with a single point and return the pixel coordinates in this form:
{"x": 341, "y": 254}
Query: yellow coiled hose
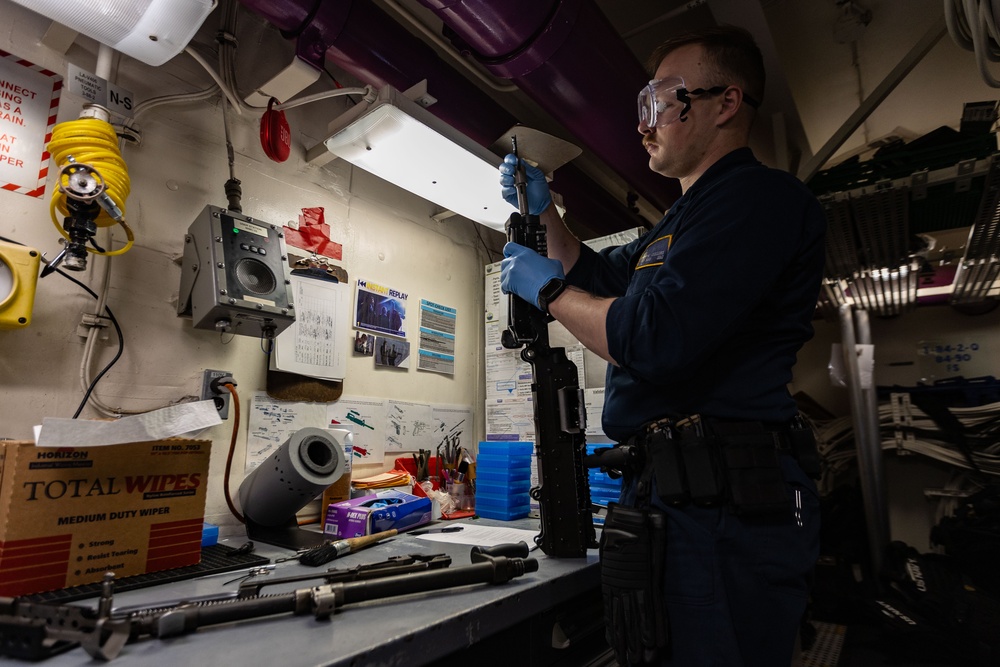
{"x": 92, "y": 142}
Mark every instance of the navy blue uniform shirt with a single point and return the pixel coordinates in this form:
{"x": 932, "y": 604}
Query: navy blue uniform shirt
{"x": 715, "y": 301}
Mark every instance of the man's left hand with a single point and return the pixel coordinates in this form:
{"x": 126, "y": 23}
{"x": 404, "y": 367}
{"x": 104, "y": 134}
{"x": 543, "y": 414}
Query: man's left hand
{"x": 524, "y": 272}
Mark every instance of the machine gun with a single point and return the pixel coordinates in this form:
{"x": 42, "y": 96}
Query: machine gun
{"x": 37, "y": 630}
{"x": 563, "y": 491}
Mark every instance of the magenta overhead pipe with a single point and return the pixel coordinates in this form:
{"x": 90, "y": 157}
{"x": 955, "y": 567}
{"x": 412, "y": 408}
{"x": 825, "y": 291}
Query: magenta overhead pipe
{"x": 362, "y": 40}
{"x": 569, "y": 59}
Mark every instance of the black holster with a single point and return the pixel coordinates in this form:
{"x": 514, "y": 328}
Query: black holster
{"x": 633, "y": 543}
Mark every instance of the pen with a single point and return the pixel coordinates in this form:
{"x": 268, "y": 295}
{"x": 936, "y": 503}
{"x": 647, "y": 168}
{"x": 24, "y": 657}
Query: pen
{"x": 426, "y": 531}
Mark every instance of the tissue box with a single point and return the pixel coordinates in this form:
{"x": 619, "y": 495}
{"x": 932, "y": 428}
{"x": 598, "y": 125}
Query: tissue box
{"x": 374, "y": 513}
{"x": 70, "y": 514}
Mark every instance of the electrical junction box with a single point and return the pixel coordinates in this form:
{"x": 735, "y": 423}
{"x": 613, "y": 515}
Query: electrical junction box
{"x": 235, "y": 276}
{"x": 70, "y": 514}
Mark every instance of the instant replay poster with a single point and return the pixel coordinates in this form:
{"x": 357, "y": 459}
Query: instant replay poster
{"x": 380, "y": 309}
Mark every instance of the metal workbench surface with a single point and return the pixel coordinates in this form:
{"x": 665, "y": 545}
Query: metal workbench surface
{"x": 409, "y": 630}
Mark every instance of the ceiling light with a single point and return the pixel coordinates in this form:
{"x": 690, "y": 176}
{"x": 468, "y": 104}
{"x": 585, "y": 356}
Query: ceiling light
{"x": 398, "y": 140}
{"x": 152, "y": 31}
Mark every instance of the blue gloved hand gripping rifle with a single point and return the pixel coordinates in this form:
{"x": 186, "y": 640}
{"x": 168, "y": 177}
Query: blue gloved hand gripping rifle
{"x": 563, "y": 491}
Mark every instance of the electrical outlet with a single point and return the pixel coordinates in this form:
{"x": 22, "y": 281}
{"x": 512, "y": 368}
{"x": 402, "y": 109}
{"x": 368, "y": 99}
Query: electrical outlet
{"x": 220, "y": 397}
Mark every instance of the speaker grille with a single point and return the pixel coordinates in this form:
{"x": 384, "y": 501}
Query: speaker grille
{"x": 255, "y": 276}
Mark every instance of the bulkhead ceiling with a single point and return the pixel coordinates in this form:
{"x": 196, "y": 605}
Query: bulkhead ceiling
{"x": 571, "y": 68}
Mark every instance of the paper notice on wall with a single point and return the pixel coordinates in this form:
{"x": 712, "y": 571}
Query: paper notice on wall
{"x": 29, "y": 101}
{"x": 496, "y": 300}
{"x": 593, "y": 400}
{"x": 272, "y": 422}
{"x": 316, "y": 344}
{"x": 437, "y": 338}
{"x": 510, "y": 419}
{"x": 367, "y": 417}
{"x": 411, "y": 426}
{"x": 507, "y": 375}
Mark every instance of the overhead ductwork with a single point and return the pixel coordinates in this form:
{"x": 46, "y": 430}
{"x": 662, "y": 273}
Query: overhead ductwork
{"x": 568, "y": 58}
{"x": 562, "y": 54}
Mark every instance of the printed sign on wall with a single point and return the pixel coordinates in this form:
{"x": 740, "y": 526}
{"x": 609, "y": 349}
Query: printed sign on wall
{"x": 29, "y": 100}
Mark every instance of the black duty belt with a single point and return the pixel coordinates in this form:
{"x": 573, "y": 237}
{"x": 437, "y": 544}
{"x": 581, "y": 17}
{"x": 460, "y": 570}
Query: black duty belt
{"x": 710, "y": 462}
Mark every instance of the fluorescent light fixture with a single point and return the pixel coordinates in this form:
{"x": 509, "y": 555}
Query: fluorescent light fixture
{"x": 401, "y": 142}
{"x": 152, "y": 31}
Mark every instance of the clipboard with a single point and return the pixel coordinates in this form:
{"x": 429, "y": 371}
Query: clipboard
{"x": 286, "y": 386}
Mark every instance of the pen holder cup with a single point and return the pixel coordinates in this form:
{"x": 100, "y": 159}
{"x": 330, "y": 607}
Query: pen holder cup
{"x": 462, "y": 495}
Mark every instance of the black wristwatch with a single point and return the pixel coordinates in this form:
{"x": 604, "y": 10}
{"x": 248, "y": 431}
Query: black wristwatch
{"x": 549, "y": 292}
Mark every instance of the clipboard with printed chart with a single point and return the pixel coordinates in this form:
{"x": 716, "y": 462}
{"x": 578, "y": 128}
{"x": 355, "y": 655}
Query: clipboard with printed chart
{"x": 310, "y": 356}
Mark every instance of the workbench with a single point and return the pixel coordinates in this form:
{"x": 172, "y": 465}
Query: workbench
{"x": 516, "y": 622}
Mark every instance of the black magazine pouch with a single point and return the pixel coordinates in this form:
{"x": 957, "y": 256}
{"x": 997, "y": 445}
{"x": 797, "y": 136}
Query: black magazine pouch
{"x": 802, "y": 441}
{"x": 701, "y": 468}
{"x": 668, "y": 467}
{"x": 756, "y": 482}
{"x": 632, "y": 561}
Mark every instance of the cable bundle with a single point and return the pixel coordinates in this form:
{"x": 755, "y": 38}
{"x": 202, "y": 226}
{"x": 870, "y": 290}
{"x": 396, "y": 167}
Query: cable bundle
{"x": 981, "y": 426}
{"x": 972, "y": 24}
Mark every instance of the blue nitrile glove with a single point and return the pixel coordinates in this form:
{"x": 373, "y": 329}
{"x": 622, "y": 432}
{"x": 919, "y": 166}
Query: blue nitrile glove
{"x": 524, "y": 272}
{"x": 537, "y": 188}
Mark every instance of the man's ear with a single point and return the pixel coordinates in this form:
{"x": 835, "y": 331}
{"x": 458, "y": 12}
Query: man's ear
{"x": 731, "y": 102}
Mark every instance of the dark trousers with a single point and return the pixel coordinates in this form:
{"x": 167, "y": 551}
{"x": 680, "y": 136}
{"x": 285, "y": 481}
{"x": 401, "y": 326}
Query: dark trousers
{"x": 736, "y": 588}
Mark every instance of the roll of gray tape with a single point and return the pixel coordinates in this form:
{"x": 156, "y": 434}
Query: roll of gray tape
{"x": 298, "y": 471}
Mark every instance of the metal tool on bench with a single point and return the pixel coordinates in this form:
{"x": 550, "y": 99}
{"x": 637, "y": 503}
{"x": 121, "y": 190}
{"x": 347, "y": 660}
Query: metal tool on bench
{"x": 34, "y": 631}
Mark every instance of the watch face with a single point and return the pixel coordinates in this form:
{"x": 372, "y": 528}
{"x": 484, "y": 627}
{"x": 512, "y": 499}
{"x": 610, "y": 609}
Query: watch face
{"x": 550, "y": 291}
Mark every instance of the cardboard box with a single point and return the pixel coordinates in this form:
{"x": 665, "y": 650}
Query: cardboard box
{"x": 70, "y": 514}
{"x": 341, "y": 489}
{"x": 382, "y": 510}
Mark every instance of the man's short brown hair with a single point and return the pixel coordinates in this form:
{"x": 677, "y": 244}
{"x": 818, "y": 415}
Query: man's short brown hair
{"x": 732, "y": 57}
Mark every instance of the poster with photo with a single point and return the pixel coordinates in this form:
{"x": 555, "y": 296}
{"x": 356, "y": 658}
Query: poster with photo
{"x": 364, "y": 344}
{"x": 392, "y": 352}
{"x": 380, "y": 309}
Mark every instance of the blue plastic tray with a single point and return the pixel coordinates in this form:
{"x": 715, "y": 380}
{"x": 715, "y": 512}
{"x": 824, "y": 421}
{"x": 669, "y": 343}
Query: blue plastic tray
{"x": 504, "y": 515}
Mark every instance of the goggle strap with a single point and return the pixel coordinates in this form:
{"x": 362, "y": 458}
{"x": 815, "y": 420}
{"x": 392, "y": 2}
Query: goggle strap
{"x": 684, "y": 96}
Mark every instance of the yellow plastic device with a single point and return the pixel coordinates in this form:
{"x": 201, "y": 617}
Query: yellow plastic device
{"x": 18, "y": 278}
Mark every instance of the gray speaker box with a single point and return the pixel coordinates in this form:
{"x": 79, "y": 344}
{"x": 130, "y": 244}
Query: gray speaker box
{"x": 235, "y": 275}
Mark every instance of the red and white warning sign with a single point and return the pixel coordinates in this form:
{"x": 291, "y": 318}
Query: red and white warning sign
{"x": 29, "y": 100}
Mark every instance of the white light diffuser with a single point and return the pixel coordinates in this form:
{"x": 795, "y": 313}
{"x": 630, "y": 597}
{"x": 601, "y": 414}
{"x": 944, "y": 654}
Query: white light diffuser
{"x": 152, "y": 31}
{"x": 402, "y": 143}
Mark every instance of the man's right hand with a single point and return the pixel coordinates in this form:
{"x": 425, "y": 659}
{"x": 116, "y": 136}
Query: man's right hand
{"x": 537, "y": 188}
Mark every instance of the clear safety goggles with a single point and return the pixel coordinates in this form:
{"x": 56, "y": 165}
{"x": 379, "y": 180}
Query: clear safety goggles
{"x": 662, "y": 101}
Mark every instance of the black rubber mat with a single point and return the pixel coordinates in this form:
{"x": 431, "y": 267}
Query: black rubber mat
{"x": 214, "y": 559}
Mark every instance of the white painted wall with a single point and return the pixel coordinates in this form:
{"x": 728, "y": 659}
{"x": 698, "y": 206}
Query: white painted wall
{"x": 387, "y": 235}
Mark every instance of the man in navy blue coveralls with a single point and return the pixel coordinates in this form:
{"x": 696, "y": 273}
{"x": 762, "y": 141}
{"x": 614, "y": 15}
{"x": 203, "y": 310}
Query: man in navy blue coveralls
{"x": 703, "y": 315}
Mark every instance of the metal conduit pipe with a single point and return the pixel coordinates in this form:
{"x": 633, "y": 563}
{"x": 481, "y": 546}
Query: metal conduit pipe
{"x": 868, "y": 444}
{"x": 568, "y": 58}
{"x": 364, "y": 41}
{"x": 873, "y": 443}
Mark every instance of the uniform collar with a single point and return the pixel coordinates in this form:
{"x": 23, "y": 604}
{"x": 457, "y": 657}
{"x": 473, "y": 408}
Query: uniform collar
{"x": 737, "y": 158}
